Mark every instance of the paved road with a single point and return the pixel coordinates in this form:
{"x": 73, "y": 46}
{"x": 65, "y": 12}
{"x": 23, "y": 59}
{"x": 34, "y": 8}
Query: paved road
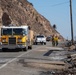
{"x": 38, "y": 61}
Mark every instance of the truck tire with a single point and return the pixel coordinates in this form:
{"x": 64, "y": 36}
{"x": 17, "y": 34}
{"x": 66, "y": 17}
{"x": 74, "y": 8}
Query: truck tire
{"x": 25, "y": 49}
{"x": 29, "y": 47}
{"x": 4, "y": 49}
{"x": 36, "y": 43}
{"x": 44, "y": 43}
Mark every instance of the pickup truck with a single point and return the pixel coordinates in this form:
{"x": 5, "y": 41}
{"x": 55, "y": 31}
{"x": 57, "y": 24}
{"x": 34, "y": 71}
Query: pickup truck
{"x": 40, "y": 39}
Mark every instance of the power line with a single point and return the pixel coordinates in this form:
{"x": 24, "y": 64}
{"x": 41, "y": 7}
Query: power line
{"x": 60, "y": 4}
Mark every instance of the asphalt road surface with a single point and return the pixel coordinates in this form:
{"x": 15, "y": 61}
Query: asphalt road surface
{"x": 41, "y": 60}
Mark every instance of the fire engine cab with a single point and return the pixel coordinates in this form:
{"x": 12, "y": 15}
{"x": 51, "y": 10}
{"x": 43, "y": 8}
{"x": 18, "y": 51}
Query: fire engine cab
{"x": 15, "y": 37}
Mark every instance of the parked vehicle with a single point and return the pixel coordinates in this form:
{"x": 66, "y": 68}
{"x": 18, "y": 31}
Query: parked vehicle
{"x": 40, "y": 39}
{"x": 13, "y": 37}
{"x": 48, "y": 38}
{"x": 68, "y": 43}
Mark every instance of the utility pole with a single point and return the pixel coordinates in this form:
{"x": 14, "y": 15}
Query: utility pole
{"x": 71, "y": 22}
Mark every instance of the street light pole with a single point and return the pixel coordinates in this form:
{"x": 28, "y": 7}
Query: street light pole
{"x": 71, "y": 22}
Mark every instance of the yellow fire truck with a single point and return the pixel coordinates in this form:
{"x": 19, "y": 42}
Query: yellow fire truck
{"x": 16, "y": 37}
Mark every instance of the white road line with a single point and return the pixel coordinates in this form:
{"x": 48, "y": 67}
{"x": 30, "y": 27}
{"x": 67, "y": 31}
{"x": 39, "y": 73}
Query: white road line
{"x": 11, "y": 60}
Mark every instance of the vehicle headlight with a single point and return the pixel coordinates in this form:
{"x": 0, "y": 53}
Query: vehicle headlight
{"x": 19, "y": 40}
{"x": 4, "y": 40}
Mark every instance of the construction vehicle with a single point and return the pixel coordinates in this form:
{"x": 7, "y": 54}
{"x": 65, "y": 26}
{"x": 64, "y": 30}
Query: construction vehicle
{"x": 16, "y": 37}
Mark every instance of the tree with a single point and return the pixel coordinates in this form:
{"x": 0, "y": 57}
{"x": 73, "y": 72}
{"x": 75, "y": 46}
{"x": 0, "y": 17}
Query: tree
{"x": 54, "y": 26}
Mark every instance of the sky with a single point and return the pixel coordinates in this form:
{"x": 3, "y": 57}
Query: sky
{"x": 58, "y": 13}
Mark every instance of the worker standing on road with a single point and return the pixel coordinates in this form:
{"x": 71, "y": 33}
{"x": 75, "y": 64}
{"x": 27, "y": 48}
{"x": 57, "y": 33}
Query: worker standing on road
{"x": 53, "y": 40}
{"x": 56, "y": 40}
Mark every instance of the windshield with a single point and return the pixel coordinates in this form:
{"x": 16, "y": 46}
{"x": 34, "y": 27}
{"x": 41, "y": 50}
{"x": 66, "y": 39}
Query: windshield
{"x": 19, "y": 31}
{"x": 40, "y": 36}
{"x": 11, "y": 31}
{"x": 7, "y": 31}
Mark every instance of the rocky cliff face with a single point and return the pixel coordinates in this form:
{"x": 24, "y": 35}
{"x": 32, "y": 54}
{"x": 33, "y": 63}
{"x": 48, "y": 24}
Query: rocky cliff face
{"x": 22, "y": 12}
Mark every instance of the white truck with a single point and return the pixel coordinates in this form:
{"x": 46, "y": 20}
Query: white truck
{"x": 40, "y": 39}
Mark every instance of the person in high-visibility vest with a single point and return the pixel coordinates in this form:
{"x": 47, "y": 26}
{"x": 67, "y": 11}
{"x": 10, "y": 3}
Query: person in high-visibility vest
{"x": 53, "y": 40}
{"x": 56, "y": 40}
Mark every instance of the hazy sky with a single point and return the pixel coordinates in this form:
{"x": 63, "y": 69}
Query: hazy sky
{"x": 58, "y": 12}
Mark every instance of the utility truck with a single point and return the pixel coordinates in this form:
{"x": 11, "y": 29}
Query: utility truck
{"x": 16, "y": 37}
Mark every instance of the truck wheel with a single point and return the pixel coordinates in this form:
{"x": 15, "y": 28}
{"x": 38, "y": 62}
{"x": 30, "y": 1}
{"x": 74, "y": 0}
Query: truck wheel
{"x": 4, "y": 49}
{"x": 25, "y": 49}
{"x": 36, "y": 43}
{"x": 29, "y": 47}
{"x": 41, "y": 43}
{"x": 44, "y": 43}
